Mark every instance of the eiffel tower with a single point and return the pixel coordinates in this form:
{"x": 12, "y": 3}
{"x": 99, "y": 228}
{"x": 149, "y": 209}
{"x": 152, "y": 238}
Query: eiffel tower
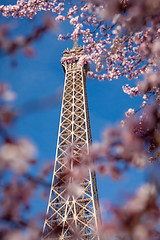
{"x": 70, "y": 216}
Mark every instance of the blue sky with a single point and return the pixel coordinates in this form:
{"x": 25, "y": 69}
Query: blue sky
{"x": 42, "y": 76}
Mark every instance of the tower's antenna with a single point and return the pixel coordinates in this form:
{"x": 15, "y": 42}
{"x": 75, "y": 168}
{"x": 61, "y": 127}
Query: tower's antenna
{"x": 75, "y": 43}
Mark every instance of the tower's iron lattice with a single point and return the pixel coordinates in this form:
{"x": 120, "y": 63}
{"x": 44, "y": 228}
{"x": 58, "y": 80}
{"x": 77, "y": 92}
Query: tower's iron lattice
{"x": 70, "y": 216}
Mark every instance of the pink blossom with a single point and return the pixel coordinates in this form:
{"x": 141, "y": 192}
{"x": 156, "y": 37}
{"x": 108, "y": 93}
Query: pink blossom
{"x": 146, "y": 97}
{"x": 6, "y": 93}
{"x": 85, "y": 8}
{"x": 83, "y": 60}
{"x": 60, "y": 18}
{"x": 60, "y": 37}
{"x": 143, "y": 195}
{"x": 90, "y": 74}
{"x": 74, "y": 21}
{"x": 72, "y": 58}
{"x": 74, "y": 189}
{"x": 130, "y": 91}
{"x": 121, "y": 38}
{"x": 130, "y": 112}
{"x": 143, "y": 104}
{"x": 18, "y": 155}
{"x": 9, "y": 95}
{"x": 31, "y": 233}
{"x": 156, "y": 47}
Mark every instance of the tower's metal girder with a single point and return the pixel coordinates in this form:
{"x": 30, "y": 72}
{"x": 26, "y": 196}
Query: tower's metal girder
{"x": 70, "y": 216}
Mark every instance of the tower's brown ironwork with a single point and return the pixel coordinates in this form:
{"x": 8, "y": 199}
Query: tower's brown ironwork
{"x": 70, "y": 216}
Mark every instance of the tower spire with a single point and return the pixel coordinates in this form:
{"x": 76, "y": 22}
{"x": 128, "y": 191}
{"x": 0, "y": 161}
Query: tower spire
{"x": 75, "y": 43}
{"x": 71, "y": 216}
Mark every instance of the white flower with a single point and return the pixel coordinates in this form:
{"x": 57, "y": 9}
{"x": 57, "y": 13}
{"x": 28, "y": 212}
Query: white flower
{"x": 74, "y": 189}
{"x": 143, "y": 104}
{"x": 156, "y": 47}
{"x": 146, "y": 97}
{"x": 140, "y": 232}
{"x": 143, "y": 195}
{"x": 83, "y": 60}
{"x": 17, "y": 155}
{"x": 60, "y": 18}
{"x": 130, "y": 112}
{"x": 74, "y": 20}
{"x": 116, "y": 18}
{"x": 9, "y": 95}
{"x": 139, "y": 159}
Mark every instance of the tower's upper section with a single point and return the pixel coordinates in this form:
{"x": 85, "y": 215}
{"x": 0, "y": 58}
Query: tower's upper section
{"x": 75, "y": 58}
{"x": 78, "y": 51}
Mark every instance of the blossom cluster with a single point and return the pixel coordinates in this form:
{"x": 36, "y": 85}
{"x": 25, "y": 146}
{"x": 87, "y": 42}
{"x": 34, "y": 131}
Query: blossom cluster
{"x": 10, "y": 46}
{"x": 133, "y": 144}
{"x": 30, "y": 8}
{"x": 82, "y": 60}
{"x": 17, "y": 155}
{"x": 122, "y": 39}
{"x": 137, "y": 219}
{"x": 115, "y": 54}
{"x": 69, "y": 59}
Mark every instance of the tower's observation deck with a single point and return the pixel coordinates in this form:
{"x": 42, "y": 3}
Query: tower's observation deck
{"x": 71, "y": 215}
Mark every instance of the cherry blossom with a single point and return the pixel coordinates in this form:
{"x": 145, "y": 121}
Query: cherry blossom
{"x": 72, "y": 58}
{"x": 83, "y": 60}
{"x": 74, "y": 21}
{"x": 121, "y": 38}
{"x": 6, "y": 94}
{"x": 60, "y": 18}
{"x": 137, "y": 219}
{"x": 130, "y": 91}
{"x": 17, "y": 155}
{"x": 130, "y": 112}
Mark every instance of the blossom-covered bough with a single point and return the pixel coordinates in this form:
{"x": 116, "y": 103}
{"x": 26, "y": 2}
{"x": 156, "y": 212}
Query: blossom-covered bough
{"x": 121, "y": 38}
